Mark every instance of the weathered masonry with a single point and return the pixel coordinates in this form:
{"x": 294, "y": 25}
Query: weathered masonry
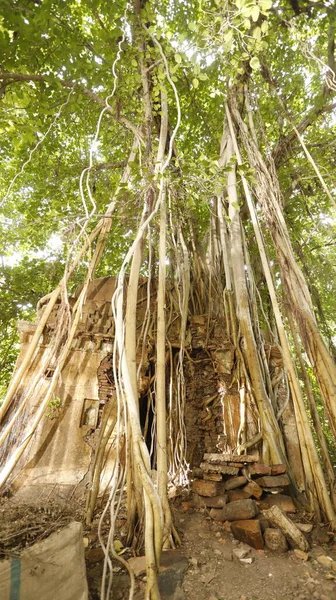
{"x": 216, "y": 415}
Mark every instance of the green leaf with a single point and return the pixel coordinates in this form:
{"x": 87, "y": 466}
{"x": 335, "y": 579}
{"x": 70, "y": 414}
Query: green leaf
{"x": 118, "y": 546}
{"x": 228, "y": 36}
{"x": 255, "y": 13}
{"x": 256, "y": 33}
{"x": 195, "y": 83}
{"x": 255, "y": 63}
{"x": 192, "y": 26}
{"x": 265, "y": 4}
{"x": 178, "y": 58}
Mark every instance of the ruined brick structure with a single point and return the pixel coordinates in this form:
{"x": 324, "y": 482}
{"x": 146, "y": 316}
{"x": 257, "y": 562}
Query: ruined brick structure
{"x": 60, "y": 453}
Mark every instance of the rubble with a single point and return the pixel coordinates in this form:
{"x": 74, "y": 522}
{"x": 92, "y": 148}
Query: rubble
{"x": 242, "y": 551}
{"x": 237, "y": 494}
{"x": 325, "y": 561}
{"x": 215, "y": 501}
{"x": 301, "y": 555}
{"x": 250, "y": 486}
{"x": 249, "y": 532}
{"x": 253, "y": 489}
{"x": 235, "y": 482}
{"x": 224, "y": 469}
{"x": 259, "y": 469}
{"x": 272, "y": 481}
{"x": 207, "y": 488}
{"x": 224, "y": 458}
{"x": 278, "y": 469}
{"x": 236, "y": 511}
{"x": 281, "y": 500}
{"x": 280, "y": 520}
{"x": 304, "y": 527}
{"x": 275, "y": 540}
{"x": 212, "y": 476}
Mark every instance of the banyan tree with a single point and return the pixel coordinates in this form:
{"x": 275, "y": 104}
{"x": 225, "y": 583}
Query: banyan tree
{"x": 180, "y": 157}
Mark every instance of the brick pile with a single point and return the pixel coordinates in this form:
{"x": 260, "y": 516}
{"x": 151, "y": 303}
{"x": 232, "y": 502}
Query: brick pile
{"x": 236, "y": 489}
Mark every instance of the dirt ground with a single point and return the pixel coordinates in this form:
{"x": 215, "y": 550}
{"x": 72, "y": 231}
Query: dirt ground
{"x": 215, "y": 573}
{"x": 204, "y": 568}
{"x": 212, "y": 571}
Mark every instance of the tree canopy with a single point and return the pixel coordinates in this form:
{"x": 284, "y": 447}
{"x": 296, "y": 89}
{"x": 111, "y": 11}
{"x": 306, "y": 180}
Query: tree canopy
{"x": 56, "y": 72}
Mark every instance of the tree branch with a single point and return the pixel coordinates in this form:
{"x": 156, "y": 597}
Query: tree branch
{"x": 283, "y": 147}
{"x": 20, "y": 77}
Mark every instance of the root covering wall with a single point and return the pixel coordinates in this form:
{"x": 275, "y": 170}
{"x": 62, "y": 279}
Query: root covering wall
{"x": 63, "y": 448}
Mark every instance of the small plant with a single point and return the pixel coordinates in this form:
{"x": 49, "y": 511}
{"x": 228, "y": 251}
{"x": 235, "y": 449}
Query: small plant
{"x": 54, "y": 405}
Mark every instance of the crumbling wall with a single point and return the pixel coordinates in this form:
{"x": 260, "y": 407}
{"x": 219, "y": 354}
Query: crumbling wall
{"x": 66, "y": 439}
{"x": 213, "y": 404}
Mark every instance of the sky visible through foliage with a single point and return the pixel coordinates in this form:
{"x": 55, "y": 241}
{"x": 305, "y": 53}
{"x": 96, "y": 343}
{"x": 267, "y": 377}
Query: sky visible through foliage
{"x": 61, "y": 55}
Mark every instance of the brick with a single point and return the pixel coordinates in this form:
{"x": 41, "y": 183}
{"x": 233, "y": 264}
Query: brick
{"x": 279, "y": 469}
{"x": 235, "y": 482}
{"x": 273, "y": 481}
{"x": 212, "y": 477}
{"x": 212, "y": 468}
{"x": 259, "y": 469}
{"x": 215, "y": 501}
{"x": 253, "y": 489}
{"x": 281, "y": 500}
{"x": 216, "y": 514}
{"x": 248, "y": 532}
{"x": 275, "y": 540}
{"x": 237, "y": 495}
{"x": 222, "y": 458}
{"x": 236, "y": 511}
{"x": 207, "y": 488}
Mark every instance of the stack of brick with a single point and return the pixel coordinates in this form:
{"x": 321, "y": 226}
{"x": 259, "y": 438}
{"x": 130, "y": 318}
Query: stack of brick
{"x": 236, "y": 488}
{"x": 204, "y": 410}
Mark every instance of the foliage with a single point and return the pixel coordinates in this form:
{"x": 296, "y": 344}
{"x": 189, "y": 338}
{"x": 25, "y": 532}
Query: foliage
{"x": 209, "y": 44}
